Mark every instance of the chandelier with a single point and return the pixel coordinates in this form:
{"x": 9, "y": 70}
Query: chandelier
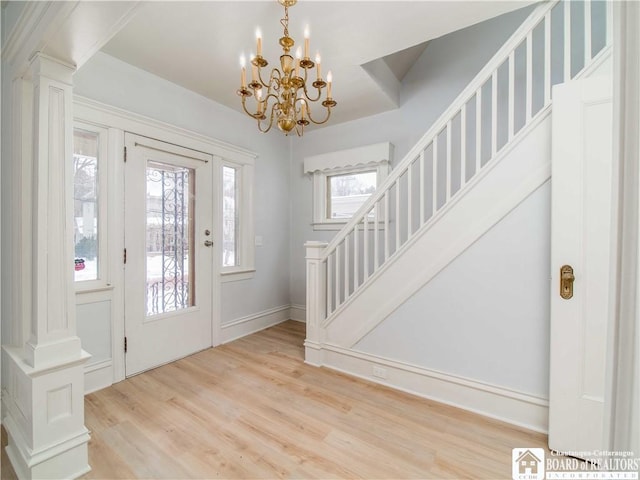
{"x": 286, "y": 96}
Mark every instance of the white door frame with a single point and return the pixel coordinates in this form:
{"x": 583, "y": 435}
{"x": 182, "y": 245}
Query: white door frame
{"x": 622, "y": 427}
{"x": 120, "y": 120}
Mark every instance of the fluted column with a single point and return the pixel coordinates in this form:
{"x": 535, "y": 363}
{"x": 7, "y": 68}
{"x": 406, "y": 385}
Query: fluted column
{"x": 45, "y": 390}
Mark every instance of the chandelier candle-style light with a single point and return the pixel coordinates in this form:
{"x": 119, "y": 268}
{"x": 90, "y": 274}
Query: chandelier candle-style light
{"x": 286, "y": 96}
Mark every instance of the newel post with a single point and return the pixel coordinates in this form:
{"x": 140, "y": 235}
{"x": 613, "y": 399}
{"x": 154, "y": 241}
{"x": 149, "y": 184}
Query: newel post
{"x": 316, "y": 301}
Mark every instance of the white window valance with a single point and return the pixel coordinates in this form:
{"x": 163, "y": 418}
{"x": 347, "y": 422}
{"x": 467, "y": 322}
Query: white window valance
{"x": 366, "y": 156}
{"x": 369, "y": 158}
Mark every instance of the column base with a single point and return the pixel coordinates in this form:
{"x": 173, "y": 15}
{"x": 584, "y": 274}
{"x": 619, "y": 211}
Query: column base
{"x": 313, "y": 353}
{"x": 68, "y": 459}
{"x": 45, "y": 417}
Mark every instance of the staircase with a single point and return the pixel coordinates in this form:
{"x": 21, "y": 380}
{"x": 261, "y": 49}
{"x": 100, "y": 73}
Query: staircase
{"x": 486, "y": 153}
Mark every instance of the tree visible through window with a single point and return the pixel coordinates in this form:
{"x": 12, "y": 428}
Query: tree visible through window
{"x": 85, "y": 204}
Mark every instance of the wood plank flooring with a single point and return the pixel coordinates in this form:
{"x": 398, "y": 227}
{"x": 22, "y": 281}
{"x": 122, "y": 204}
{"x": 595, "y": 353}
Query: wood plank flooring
{"x": 253, "y": 409}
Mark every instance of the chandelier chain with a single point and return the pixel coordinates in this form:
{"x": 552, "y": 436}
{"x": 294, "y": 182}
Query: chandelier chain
{"x": 285, "y": 21}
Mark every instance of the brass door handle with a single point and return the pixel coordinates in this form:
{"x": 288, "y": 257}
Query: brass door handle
{"x": 566, "y": 281}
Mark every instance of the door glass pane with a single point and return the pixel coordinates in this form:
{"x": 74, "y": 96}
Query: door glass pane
{"x": 348, "y": 192}
{"x": 230, "y": 217}
{"x": 85, "y": 204}
{"x": 170, "y": 238}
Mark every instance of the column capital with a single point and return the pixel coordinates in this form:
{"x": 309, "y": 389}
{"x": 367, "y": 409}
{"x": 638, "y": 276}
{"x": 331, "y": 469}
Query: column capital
{"x": 314, "y": 249}
{"x": 42, "y": 65}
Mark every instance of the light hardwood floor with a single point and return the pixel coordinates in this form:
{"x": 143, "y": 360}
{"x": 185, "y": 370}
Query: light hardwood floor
{"x": 253, "y": 409}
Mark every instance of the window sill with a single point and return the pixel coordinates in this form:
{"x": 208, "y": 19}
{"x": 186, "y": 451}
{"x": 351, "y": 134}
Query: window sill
{"x": 237, "y": 274}
{"x": 328, "y": 225}
{"x": 338, "y": 225}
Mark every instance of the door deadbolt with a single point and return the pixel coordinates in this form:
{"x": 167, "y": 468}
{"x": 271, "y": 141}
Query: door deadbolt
{"x": 207, "y": 232}
{"x": 566, "y": 281}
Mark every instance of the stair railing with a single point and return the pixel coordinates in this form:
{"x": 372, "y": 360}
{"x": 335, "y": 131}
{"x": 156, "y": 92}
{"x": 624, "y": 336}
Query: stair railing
{"x": 554, "y": 44}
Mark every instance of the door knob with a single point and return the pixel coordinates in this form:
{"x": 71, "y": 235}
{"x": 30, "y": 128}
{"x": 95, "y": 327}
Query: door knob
{"x": 208, "y": 243}
{"x": 566, "y": 281}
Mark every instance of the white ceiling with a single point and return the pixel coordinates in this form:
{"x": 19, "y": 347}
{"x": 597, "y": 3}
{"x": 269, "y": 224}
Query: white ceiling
{"x": 198, "y": 44}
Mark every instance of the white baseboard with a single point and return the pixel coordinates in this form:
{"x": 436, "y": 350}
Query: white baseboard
{"x": 98, "y": 376}
{"x": 298, "y": 313}
{"x": 253, "y": 323}
{"x": 503, "y": 404}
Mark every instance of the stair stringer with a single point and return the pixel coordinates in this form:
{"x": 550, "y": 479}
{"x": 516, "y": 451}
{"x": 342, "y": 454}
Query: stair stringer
{"x": 516, "y": 172}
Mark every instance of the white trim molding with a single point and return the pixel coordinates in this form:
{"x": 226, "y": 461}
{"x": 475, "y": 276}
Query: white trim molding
{"x": 244, "y": 326}
{"x": 98, "y": 376}
{"x": 298, "y": 313}
{"x": 245, "y": 248}
{"x": 504, "y": 404}
{"x": 622, "y": 430}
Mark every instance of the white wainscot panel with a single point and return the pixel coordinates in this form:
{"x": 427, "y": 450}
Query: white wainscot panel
{"x": 94, "y": 329}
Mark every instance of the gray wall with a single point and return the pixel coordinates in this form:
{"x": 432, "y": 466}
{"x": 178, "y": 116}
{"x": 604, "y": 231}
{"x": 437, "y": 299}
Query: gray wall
{"x": 111, "y": 81}
{"x": 485, "y": 316}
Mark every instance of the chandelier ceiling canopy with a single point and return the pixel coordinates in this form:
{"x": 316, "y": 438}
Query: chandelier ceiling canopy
{"x": 285, "y": 95}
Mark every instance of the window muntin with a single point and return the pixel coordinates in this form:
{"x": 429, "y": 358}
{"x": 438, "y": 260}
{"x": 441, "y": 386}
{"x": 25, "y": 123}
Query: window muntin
{"x": 86, "y": 198}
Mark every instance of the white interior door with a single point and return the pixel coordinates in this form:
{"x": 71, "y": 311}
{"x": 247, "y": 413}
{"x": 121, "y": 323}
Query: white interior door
{"x": 169, "y": 254}
{"x": 581, "y": 224}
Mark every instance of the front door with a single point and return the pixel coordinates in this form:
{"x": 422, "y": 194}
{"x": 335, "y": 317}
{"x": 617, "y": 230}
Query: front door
{"x": 169, "y": 254}
{"x": 581, "y": 266}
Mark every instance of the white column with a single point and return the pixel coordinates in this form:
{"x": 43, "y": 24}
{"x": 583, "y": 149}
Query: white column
{"x": 316, "y": 302}
{"x": 45, "y": 389}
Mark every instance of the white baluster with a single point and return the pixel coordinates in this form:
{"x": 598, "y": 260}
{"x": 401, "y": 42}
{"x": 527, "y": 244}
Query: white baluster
{"x": 547, "y": 58}
{"x": 409, "y": 200}
{"x": 346, "y": 267}
{"x": 609, "y": 16}
{"x": 386, "y": 225}
{"x": 329, "y": 285}
{"x": 567, "y": 40}
{"x": 376, "y": 247}
{"x": 421, "y": 188}
{"x": 463, "y": 145}
{"x": 587, "y": 31}
{"x": 434, "y": 183}
{"x": 337, "y": 275}
{"x": 397, "y": 214}
{"x": 529, "y": 77}
{"x": 356, "y": 258}
{"x": 494, "y": 113}
{"x": 448, "y": 171}
{"x": 511, "y": 100}
{"x": 478, "y": 130}
{"x": 365, "y": 250}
